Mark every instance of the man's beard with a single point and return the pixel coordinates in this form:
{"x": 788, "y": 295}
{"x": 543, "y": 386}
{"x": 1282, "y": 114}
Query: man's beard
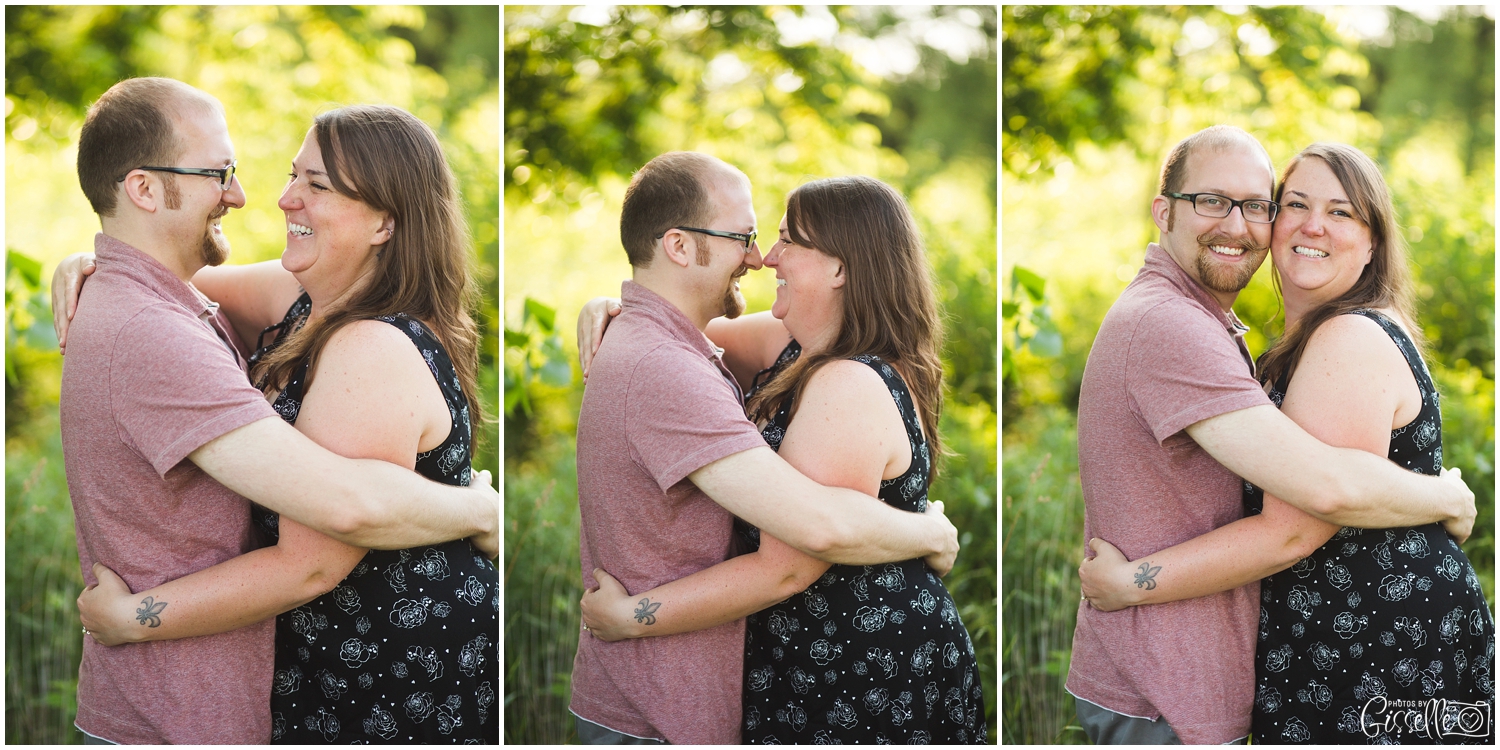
{"x": 1222, "y": 277}
{"x": 215, "y": 248}
{"x": 734, "y": 301}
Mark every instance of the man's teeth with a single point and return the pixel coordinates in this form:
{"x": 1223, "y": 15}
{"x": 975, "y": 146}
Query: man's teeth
{"x": 299, "y": 229}
{"x": 1226, "y": 250}
{"x": 1309, "y": 252}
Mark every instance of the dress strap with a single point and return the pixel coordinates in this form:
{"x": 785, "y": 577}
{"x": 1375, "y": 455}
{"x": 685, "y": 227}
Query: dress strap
{"x": 904, "y": 404}
{"x": 1406, "y": 345}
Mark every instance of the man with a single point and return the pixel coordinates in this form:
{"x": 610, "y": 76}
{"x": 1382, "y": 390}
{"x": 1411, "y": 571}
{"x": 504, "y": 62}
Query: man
{"x": 666, "y": 458}
{"x": 1170, "y": 416}
{"x": 164, "y": 439}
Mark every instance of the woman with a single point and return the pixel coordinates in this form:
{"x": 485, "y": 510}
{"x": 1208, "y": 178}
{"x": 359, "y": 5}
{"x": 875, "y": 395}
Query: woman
{"x": 378, "y": 646}
{"x": 863, "y": 654}
{"x": 1367, "y": 617}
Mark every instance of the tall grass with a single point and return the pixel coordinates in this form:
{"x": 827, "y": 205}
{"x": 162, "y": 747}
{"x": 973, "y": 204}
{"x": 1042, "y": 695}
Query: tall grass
{"x": 43, "y": 638}
{"x": 1043, "y": 542}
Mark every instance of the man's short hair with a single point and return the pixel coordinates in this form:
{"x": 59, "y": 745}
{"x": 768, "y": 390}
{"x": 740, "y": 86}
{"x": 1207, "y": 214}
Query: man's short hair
{"x": 672, "y": 190}
{"x": 134, "y": 125}
{"x": 1174, "y": 171}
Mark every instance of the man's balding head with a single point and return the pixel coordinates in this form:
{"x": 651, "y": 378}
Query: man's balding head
{"x": 134, "y": 125}
{"x": 1218, "y": 137}
{"x": 672, "y": 190}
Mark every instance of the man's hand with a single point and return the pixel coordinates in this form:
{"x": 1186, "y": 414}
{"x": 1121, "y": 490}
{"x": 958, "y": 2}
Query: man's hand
{"x": 100, "y": 607}
{"x": 1106, "y": 577}
{"x": 942, "y": 561}
{"x": 1459, "y": 528}
{"x": 487, "y": 544}
{"x": 67, "y": 283}
{"x": 592, "y": 320}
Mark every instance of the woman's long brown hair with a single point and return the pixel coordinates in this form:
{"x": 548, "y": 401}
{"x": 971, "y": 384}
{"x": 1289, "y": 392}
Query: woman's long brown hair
{"x": 889, "y": 308}
{"x": 391, "y": 161}
{"x": 1385, "y": 281}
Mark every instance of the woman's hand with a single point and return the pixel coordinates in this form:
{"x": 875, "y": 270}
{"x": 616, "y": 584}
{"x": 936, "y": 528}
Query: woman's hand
{"x": 105, "y": 608}
{"x": 592, "y": 320}
{"x": 606, "y": 609}
{"x": 1461, "y": 526}
{"x": 1108, "y": 578}
{"x": 67, "y": 283}
{"x": 942, "y": 562}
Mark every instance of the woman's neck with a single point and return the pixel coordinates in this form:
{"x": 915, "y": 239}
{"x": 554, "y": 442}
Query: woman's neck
{"x": 330, "y": 294}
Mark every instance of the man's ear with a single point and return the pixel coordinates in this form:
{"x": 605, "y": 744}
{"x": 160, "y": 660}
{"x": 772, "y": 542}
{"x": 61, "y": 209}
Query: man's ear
{"x": 1160, "y": 206}
{"x": 141, "y": 190}
{"x": 677, "y": 248}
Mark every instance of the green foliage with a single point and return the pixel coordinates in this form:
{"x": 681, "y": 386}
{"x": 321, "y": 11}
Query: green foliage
{"x": 591, "y": 95}
{"x": 538, "y": 356}
{"x": 274, "y": 68}
{"x": 1094, "y": 97}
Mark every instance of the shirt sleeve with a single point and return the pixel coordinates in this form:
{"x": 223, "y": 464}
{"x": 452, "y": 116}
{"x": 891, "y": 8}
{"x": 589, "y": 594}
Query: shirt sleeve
{"x": 1184, "y": 367}
{"x": 175, "y": 386}
{"x": 682, "y": 414}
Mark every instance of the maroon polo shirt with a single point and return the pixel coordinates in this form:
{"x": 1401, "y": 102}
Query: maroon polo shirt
{"x": 1166, "y": 356}
{"x": 153, "y": 372}
{"x": 659, "y": 406}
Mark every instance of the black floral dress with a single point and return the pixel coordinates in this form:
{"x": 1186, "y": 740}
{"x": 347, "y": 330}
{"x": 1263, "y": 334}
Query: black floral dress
{"x": 1381, "y": 635}
{"x": 872, "y": 654}
{"x": 404, "y": 650}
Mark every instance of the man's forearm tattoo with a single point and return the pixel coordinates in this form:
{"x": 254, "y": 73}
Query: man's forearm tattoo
{"x": 646, "y": 612}
{"x": 1146, "y": 577}
{"x": 150, "y": 612}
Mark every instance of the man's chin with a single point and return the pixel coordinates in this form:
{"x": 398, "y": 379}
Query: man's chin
{"x": 734, "y": 304}
{"x": 214, "y": 251}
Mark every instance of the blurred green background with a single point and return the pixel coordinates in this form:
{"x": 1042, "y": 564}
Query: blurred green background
{"x": 906, "y": 95}
{"x": 274, "y": 69}
{"x": 1093, "y": 99}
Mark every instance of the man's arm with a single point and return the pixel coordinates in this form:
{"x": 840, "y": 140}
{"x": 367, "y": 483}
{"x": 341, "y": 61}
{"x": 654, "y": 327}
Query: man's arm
{"x": 1343, "y": 486}
{"x": 363, "y": 502}
{"x": 830, "y": 523}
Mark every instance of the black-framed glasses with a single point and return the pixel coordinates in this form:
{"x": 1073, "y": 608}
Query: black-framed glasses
{"x": 1215, "y": 206}
{"x": 748, "y": 239}
{"x": 224, "y": 175}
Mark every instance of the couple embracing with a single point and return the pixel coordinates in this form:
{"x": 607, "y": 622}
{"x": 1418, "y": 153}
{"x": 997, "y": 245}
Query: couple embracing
{"x": 334, "y": 389}
{"x": 1282, "y": 519}
{"x": 744, "y": 583}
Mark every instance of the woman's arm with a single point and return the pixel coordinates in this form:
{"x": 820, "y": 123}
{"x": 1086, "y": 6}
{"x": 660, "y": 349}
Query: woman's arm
{"x": 847, "y": 433}
{"x": 1350, "y": 389}
{"x": 372, "y": 397}
{"x": 252, "y": 296}
{"x": 751, "y": 343}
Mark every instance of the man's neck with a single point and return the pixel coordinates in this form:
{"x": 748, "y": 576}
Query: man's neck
{"x": 181, "y": 264}
{"x": 681, "y": 298}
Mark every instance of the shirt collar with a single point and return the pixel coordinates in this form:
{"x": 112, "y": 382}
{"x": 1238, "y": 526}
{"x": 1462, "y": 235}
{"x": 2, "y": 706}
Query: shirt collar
{"x": 1159, "y": 260}
{"x": 114, "y": 256}
{"x": 634, "y": 297}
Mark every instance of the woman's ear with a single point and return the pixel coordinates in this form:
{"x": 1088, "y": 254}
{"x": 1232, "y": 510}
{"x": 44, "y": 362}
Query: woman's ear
{"x": 838, "y": 277}
{"x": 386, "y": 231}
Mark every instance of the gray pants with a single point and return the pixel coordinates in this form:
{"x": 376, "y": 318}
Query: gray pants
{"x": 1105, "y": 727}
{"x": 590, "y": 733}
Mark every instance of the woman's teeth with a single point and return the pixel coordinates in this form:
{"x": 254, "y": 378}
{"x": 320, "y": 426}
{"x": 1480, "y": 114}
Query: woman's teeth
{"x": 298, "y": 229}
{"x": 1226, "y": 250}
{"x": 781, "y": 282}
{"x": 1309, "y": 252}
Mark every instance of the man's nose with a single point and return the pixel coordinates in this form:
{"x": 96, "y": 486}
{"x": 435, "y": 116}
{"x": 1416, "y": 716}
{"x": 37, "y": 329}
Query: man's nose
{"x": 753, "y": 258}
{"x": 234, "y": 197}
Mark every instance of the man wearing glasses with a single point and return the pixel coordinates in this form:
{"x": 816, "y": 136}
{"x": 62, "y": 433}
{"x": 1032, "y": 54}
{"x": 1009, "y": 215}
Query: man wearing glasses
{"x": 1170, "y": 417}
{"x": 666, "y": 459}
{"x": 165, "y": 440}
